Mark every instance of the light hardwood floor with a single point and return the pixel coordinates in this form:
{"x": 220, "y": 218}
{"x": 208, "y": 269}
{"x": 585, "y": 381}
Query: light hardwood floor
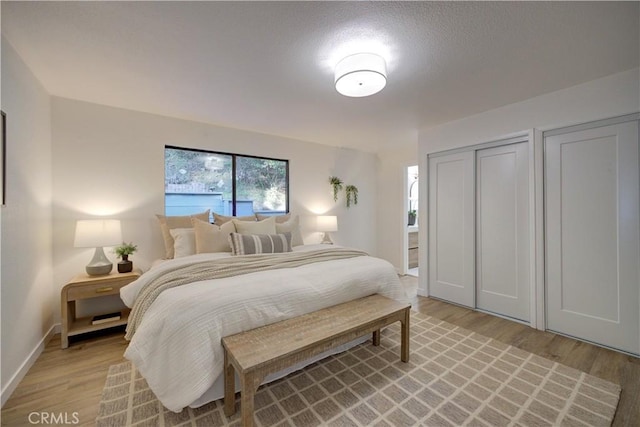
{"x": 71, "y": 380}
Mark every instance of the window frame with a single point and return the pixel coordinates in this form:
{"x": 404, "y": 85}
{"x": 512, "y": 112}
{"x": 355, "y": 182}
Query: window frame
{"x": 233, "y": 171}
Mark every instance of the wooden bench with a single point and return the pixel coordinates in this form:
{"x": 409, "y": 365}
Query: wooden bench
{"x": 272, "y": 348}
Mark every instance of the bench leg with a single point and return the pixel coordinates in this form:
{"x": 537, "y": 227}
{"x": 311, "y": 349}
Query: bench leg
{"x": 404, "y": 350}
{"x": 229, "y": 386}
{"x": 249, "y": 383}
{"x": 376, "y": 337}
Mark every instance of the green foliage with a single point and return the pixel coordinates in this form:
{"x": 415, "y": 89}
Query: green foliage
{"x": 412, "y": 212}
{"x": 337, "y": 186}
{"x": 210, "y": 172}
{"x": 125, "y": 249}
{"x": 352, "y": 194}
{"x": 262, "y": 180}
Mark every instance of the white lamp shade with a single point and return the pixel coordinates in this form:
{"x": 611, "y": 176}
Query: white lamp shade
{"x": 362, "y": 74}
{"x": 327, "y": 223}
{"x": 94, "y": 233}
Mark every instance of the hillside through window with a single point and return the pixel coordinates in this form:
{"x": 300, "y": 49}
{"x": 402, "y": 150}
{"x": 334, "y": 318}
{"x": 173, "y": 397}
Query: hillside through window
{"x": 228, "y": 184}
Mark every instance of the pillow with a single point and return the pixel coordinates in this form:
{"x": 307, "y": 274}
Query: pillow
{"x": 279, "y": 218}
{"x": 221, "y": 219}
{"x": 212, "y": 238}
{"x": 292, "y": 226}
{"x": 184, "y": 242}
{"x": 248, "y": 244}
{"x": 169, "y": 222}
{"x": 266, "y": 226}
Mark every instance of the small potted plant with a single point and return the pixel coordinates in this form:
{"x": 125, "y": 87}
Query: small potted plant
{"x": 412, "y": 217}
{"x": 123, "y": 251}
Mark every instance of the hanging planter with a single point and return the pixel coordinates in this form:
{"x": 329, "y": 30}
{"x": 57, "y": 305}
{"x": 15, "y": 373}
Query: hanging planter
{"x": 336, "y": 183}
{"x": 411, "y": 217}
{"x": 352, "y": 194}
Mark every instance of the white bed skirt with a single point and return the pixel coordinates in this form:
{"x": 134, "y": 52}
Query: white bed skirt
{"x": 217, "y": 389}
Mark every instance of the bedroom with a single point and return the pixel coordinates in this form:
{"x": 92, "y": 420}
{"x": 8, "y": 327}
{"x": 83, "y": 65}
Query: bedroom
{"x": 69, "y": 135}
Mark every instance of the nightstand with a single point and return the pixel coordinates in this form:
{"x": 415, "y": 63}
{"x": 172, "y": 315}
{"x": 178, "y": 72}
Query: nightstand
{"x": 84, "y": 287}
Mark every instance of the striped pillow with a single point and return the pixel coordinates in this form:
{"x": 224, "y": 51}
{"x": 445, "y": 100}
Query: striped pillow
{"x": 248, "y": 244}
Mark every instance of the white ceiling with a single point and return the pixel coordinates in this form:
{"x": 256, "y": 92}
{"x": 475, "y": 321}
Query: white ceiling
{"x": 268, "y": 66}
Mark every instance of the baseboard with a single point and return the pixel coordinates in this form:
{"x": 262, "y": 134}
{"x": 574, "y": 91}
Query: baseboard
{"x": 27, "y": 364}
{"x": 423, "y": 293}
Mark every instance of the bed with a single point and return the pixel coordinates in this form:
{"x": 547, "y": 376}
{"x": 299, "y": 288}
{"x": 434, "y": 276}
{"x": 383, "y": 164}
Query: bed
{"x": 176, "y": 345}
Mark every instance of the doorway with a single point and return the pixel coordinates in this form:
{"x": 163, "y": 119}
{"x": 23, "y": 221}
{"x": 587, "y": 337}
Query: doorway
{"x": 412, "y": 224}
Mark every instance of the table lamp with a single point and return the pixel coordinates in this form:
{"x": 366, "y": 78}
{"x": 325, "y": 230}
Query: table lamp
{"x": 97, "y": 233}
{"x": 327, "y": 223}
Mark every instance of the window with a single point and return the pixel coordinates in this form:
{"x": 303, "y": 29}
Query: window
{"x": 228, "y": 184}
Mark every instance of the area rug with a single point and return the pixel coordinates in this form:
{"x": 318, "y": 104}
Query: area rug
{"x": 455, "y": 377}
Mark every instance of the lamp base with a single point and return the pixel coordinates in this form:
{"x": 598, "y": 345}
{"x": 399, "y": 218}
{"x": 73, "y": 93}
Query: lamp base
{"x": 326, "y": 239}
{"x": 99, "y": 265}
{"x": 98, "y": 270}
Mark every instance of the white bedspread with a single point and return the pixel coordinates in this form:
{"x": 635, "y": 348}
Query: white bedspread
{"x": 177, "y": 345}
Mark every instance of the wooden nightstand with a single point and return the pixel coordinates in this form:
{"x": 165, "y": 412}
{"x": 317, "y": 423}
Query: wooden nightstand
{"x": 85, "y": 287}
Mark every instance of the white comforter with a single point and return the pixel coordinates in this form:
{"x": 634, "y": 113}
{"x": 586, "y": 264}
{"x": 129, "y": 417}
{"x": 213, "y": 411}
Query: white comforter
{"x": 177, "y": 346}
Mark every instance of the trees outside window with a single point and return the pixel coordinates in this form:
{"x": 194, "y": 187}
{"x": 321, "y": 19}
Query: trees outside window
{"x": 228, "y": 184}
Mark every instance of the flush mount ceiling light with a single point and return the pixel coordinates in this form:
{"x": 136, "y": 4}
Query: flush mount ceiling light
{"x": 362, "y": 74}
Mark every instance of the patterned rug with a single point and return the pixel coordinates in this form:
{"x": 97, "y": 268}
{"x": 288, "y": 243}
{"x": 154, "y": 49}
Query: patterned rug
{"x": 455, "y": 377}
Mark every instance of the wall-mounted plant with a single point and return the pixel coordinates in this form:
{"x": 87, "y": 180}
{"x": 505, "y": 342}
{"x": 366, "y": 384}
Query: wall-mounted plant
{"x": 352, "y": 194}
{"x": 412, "y": 217}
{"x": 337, "y": 186}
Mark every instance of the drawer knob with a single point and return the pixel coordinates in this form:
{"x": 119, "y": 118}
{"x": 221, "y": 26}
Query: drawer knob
{"x": 105, "y": 289}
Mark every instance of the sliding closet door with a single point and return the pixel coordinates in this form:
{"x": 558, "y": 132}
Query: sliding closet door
{"x": 592, "y": 235}
{"x": 502, "y": 230}
{"x": 451, "y": 228}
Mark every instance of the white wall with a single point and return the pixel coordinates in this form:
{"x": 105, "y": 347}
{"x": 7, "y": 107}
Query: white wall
{"x": 110, "y": 162}
{"x": 27, "y": 294}
{"x": 392, "y": 202}
{"x": 610, "y": 96}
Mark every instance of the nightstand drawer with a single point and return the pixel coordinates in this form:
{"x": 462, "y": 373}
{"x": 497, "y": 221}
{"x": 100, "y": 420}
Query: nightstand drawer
{"x": 96, "y": 289}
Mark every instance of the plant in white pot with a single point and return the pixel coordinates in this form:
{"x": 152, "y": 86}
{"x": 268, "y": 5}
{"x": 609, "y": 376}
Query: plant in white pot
{"x": 123, "y": 251}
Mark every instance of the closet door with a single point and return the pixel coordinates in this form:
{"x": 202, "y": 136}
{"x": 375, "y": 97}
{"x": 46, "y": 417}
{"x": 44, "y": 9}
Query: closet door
{"x": 592, "y": 235}
{"x": 451, "y": 228}
{"x": 502, "y": 230}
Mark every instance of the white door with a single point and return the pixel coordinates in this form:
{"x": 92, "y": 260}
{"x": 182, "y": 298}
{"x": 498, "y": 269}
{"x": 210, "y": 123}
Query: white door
{"x": 502, "y": 230}
{"x": 451, "y": 228}
{"x": 592, "y": 235}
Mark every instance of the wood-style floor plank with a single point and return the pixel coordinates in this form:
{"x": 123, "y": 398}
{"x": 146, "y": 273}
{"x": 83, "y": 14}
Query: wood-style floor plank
{"x": 71, "y": 380}
{"x": 66, "y": 381}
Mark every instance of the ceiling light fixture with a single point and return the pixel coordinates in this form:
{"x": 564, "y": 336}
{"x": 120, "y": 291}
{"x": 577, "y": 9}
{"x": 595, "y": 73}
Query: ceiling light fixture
{"x": 362, "y": 74}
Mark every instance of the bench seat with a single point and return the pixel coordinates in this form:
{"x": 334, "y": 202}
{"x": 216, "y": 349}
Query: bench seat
{"x": 259, "y": 352}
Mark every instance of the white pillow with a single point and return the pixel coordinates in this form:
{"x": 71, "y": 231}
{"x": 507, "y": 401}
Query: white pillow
{"x": 266, "y": 226}
{"x": 212, "y": 238}
{"x": 184, "y": 242}
{"x": 292, "y": 226}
